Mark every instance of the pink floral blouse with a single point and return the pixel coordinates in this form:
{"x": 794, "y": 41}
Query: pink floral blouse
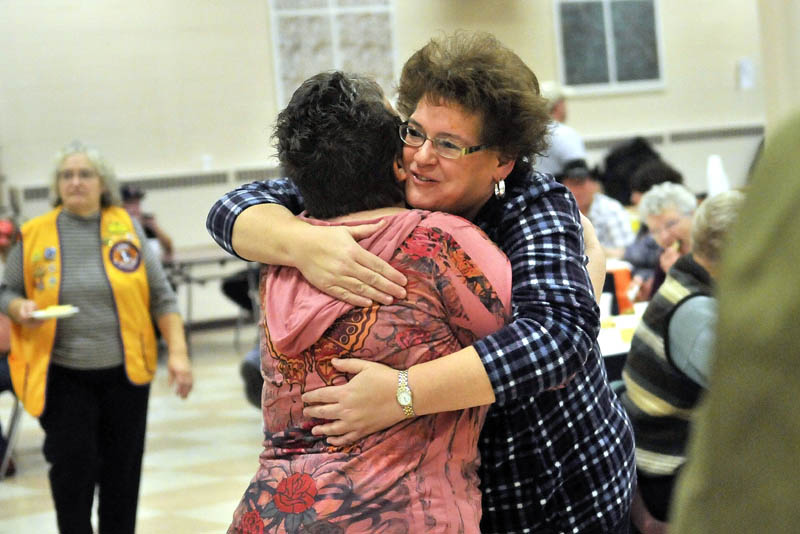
{"x": 419, "y": 475}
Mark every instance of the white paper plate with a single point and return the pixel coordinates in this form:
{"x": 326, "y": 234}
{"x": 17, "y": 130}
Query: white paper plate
{"x": 56, "y": 312}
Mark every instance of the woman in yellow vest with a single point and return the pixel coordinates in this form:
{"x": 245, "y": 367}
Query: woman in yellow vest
{"x": 81, "y": 289}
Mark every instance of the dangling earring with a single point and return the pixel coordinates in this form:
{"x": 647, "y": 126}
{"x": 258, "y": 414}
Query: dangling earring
{"x": 500, "y": 189}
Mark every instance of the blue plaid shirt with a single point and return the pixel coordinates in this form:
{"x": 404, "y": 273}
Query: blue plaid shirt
{"x": 557, "y": 446}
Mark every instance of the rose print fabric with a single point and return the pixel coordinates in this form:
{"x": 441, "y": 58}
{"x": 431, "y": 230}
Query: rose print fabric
{"x": 421, "y": 474}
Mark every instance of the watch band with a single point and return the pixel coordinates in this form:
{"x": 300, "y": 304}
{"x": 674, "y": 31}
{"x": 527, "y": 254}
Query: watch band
{"x": 404, "y": 396}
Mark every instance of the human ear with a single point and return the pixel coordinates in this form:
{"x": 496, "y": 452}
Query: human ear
{"x": 504, "y": 168}
{"x": 399, "y": 170}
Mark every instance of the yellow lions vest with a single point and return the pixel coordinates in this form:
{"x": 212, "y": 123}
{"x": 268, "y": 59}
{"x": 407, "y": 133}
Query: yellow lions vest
{"x": 121, "y": 248}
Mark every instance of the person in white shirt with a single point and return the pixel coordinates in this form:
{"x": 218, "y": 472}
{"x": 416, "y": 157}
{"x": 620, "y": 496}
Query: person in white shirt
{"x": 610, "y": 218}
{"x": 566, "y": 144}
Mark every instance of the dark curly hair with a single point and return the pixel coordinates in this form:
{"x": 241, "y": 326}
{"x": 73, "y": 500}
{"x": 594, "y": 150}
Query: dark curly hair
{"x": 337, "y": 141}
{"x": 478, "y": 73}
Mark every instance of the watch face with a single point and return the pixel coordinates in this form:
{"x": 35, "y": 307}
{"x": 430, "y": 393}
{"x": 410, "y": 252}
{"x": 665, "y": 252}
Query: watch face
{"x": 404, "y": 397}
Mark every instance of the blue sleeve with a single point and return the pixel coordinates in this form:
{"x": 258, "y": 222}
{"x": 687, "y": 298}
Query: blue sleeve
{"x": 691, "y": 337}
{"x": 224, "y": 212}
{"x": 555, "y": 317}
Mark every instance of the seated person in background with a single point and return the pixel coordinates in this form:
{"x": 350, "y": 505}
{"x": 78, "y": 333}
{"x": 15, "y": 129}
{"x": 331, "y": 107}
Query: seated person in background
{"x": 338, "y": 142}
{"x": 8, "y": 236}
{"x": 132, "y": 202}
{"x": 610, "y": 219}
{"x": 157, "y": 240}
{"x": 250, "y": 371}
{"x": 644, "y": 252}
{"x": 566, "y": 144}
{"x": 667, "y": 367}
{"x": 667, "y": 210}
{"x": 241, "y": 287}
{"x": 5, "y": 383}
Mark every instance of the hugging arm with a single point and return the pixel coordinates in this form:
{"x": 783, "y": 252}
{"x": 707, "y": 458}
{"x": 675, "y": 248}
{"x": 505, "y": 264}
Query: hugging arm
{"x": 367, "y": 403}
{"x": 256, "y": 222}
{"x": 554, "y": 307}
{"x": 473, "y": 305}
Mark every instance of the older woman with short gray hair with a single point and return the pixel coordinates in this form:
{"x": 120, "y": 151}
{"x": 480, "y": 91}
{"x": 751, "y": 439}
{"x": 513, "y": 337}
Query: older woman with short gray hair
{"x": 82, "y": 291}
{"x": 110, "y": 194}
{"x": 667, "y": 210}
{"x": 667, "y": 196}
{"x": 669, "y": 360}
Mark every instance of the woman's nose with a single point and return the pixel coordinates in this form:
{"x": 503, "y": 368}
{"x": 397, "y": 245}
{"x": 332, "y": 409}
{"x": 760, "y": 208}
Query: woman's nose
{"x": 425, "y": 154}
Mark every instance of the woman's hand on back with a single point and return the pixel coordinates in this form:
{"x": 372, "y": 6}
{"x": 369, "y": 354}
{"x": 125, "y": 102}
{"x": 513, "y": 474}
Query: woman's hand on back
{"x": 367, "y": 403}
{"x": 332, "y": 261}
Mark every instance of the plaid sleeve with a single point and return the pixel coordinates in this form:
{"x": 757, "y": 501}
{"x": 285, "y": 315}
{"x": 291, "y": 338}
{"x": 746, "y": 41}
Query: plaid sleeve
{"x": 555, "y": 317}
{"x": 613, "y": 224}
{"x": 223, "y": 213}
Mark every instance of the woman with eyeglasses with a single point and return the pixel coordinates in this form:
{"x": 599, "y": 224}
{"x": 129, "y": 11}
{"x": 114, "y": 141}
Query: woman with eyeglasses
{"x": 667, "y": 210}
{"x": 81, "y": 288}
{"x": 557, "y": 448}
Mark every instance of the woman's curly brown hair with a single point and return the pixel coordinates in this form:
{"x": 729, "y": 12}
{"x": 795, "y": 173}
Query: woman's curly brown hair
{"x": 481, "y": 75}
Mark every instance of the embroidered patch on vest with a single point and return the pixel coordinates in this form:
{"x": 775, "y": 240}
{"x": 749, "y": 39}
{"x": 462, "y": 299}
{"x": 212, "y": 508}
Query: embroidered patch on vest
{"x": 125, "y": 256}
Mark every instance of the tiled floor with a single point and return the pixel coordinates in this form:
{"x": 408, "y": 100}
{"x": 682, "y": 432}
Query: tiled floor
{"x": 199, "y": 457}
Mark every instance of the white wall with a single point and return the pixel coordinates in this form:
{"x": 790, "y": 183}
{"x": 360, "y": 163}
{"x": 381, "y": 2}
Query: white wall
{"x": 158, "y": 86}
{"x": 781, "y": 49}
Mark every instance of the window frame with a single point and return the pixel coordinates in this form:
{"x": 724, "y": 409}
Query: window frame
{"x": 613, "y": 86}
{"x": 330, "y": 11}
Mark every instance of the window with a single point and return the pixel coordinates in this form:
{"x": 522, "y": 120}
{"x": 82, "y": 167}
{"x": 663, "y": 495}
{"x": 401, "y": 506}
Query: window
{"x": 609, "y": 45}
{"x": 311, "y": 36}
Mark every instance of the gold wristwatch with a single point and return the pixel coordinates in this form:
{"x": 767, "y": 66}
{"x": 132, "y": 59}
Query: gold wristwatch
{"x": 404, "y": 394}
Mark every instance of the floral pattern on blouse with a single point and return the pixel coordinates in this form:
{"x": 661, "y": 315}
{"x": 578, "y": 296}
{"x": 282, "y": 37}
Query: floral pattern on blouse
{"x": 419, "y": 475}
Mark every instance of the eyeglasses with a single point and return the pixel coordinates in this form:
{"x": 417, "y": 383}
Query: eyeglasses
{"x": 415, "y": 137}
{"x": 666, "y": 227}
{"x": 83, "y": 174}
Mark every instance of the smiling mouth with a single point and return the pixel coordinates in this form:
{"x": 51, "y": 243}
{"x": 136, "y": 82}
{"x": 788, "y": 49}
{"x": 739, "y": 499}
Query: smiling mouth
{"x": 423, "y": 179}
